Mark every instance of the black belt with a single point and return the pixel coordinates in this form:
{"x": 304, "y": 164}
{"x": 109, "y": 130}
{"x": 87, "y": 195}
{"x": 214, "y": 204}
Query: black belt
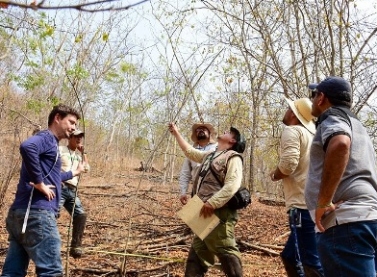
{"x": 68, "y": 185}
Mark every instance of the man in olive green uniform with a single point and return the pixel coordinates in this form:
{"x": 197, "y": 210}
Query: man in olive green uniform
{"x": 218, "y": 179}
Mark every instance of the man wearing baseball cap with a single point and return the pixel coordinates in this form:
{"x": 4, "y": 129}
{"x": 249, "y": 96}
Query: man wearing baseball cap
{"x": 300, "y": 256}
{"x": 216, "y": 182}
{"x": 341, "y": 187}
{"x": 204, "y": 137}
{"x": 72, "y": 155}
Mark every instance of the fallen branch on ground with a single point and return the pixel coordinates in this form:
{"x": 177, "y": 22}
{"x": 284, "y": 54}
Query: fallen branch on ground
{"x": 260, "y": 248}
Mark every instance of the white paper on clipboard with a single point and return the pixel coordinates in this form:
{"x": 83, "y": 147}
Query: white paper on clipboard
{"x": 198, "y": 224}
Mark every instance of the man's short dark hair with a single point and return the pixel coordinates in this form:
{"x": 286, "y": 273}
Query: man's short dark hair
{"x": 240, "y": 144}
{"x": 336, "y": 102}
{"x": 63, "y": 111}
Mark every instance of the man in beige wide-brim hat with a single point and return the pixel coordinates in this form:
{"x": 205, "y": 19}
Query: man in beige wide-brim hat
{"x": 198, "y": 133}
{"x": 204, "y": 137}
{"x": 292, "y": 169}
{"x": 302, "y": 109}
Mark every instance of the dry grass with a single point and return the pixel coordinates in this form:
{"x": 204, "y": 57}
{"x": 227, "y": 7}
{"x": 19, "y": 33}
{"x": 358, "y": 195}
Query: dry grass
{"x": 139, "y": 214}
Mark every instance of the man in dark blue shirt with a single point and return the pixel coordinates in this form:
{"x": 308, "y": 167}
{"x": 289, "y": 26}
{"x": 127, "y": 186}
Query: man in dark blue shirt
{"x": 31, "y": 221}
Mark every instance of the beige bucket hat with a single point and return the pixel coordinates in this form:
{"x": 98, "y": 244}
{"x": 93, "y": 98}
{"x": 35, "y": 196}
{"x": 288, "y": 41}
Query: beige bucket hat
{"x": 211, "y": 129}
{"x": 78, "y": 133}
{"x": 302, "y": 108}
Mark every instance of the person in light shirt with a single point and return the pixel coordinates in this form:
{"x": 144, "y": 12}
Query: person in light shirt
{"x": 216, "y": 182}
{"x": 299, "y": 256}
{"x": 72, "y": 155}
{"x": 204, "y": 137}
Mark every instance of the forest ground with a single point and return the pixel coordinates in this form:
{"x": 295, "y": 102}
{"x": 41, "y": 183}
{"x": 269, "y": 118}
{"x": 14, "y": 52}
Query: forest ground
{"x": 137, "y": 212}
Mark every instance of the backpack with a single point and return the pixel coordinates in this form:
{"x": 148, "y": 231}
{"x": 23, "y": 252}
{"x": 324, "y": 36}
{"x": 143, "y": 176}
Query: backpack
{"x": 240, "y": 200}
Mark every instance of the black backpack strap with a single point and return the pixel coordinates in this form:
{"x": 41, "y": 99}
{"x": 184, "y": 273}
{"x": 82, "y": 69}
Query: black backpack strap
{"x": 214, "y": 173}
{"x": 203, "y": 171}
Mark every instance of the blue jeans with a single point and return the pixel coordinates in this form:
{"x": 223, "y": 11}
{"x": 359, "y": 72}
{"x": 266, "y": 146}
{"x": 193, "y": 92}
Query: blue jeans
{"x": 68, "y": 200}
{"x": 349, "y": 250}
{"x": 306, "y": 241}
{"x": 40, "y": 243}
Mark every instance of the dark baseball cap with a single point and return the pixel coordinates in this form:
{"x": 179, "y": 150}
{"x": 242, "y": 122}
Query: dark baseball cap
{"x": 335, "y": 88}
{"x": 240, "y": 144}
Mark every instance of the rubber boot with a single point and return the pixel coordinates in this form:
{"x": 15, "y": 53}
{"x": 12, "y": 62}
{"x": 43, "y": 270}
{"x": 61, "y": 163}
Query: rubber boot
{"x": 290, "y": 268}
{"x": 194, "y": 267}
{"x": 231, "y": 265}
{"x": 313, "y": 272}
{"x": 77, "y": 234}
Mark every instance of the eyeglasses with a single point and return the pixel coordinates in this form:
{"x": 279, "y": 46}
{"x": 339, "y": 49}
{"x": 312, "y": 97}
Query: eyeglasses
{"x": 315, "y": 92}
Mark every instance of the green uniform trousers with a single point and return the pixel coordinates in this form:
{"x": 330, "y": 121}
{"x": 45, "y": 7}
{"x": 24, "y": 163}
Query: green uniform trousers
{"x": 221, "y": 240}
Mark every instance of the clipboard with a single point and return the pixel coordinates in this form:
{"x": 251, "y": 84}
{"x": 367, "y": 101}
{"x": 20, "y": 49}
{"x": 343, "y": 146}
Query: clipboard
{"x": 198, "y": 224}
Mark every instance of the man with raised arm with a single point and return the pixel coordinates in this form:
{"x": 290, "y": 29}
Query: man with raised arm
{"x": 217, "y": 180}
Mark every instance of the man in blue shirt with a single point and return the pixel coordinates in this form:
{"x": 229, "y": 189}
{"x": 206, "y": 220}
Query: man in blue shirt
{"x": 31, "y": 221}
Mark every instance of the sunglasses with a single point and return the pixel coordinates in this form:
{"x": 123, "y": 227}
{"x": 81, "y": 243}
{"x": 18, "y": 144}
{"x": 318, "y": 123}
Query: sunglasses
{"x": 315, "y": 92}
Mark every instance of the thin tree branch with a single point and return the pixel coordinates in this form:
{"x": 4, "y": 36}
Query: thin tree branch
{"x": 85, "y": 7}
